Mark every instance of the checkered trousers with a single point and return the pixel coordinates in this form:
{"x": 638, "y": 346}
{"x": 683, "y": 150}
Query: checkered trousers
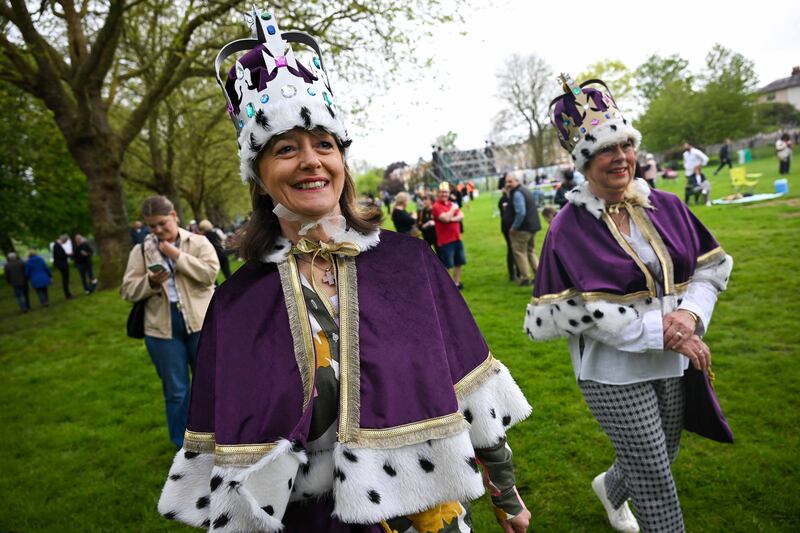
{"x": 644, "y": 422}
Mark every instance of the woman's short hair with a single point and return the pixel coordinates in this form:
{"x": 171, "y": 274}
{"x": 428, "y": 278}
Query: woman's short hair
{"x": 157, "y": 206}
{"x": 401, "y": 198}
{"x": 205, "y": 225}
{"x": 263, "y": 228}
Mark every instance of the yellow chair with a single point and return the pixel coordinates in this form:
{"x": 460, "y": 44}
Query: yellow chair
{"x": 740, "y": 179}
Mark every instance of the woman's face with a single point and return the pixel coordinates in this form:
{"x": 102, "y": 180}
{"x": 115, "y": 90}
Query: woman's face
{"x": 165, "y": 227}
{"x": 303, "y": 171}
{"x": 611, "y": 170}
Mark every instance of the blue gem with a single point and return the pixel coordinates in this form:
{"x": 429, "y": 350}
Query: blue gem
{"x": 327, "y": 98}
{"x": 271, "y": 30}
{"x": 576, "y": 91}
{"x": 608, "y": 116}
{"x": 250, "y": 110}
{"x": 241, "y": 123}
{"x": 317, "y": 63}
{"x": 583, "y": 130}
{"x": 264, "y": 98}
{"x": 312, "y": 92}
{"x": 567, "y": 122}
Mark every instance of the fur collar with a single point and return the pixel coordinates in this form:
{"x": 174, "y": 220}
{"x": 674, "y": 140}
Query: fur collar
{"x": 582, "y": 196}
{"x": 280, "y": 251}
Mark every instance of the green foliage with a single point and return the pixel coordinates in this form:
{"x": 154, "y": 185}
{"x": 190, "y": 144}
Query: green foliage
{"x": 88, "y": 448}
{"x": 42, "y": 192}
{"x": 446, "y": 141}
{"x": 722, "y": 107}
{"x": 658, "y": 72}
{"x": 776, "y": 115}
{"x": 614, "y": 73}
{"x": 368, "y": 181}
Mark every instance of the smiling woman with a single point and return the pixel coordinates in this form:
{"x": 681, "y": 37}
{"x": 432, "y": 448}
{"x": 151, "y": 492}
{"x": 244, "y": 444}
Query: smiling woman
{"x": 342, "y": 384}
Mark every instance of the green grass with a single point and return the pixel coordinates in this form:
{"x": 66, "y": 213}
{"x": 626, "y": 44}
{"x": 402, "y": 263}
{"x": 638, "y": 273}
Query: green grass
{"x": 86, "y": 447}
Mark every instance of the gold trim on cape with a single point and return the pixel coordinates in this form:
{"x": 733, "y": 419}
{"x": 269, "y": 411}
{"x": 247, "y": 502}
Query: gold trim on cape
{"x": 198, "y": 442}
{"x": 652, "y": 235}
{"x": 708, "y": 257}
{"x": 298, "y": 324}
{"x": 349, "y": 352}
{"x": 476, "y": 377}
{"x": 648, "y": 276}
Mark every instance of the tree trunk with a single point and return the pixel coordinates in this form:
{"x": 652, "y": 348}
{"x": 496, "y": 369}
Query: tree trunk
{"x": 106, "y": 205}
{"x": 6, "y": 244}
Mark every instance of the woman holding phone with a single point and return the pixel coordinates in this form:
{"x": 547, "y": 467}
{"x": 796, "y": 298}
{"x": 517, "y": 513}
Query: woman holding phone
{"x": 174, "y": 270}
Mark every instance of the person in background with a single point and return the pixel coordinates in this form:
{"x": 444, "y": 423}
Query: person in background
{"x": 524, "y": 225}
{"x": 207, "y": 229}
{"x": 696, "y": 183}
{"x": 37, "y": 271}
{"x": 567, "y": 184}
{"x": 61, "y": 262}
{"x": 174, "y": 270}
{"x": 506, "y": 218}
{"x": 448, "y": 219}
{"x": 650, "y": 170}
{"x": 630, "y": 277}
{"x": 83, "y": 262}
{"x": 783, "y": 150}
{"x": 15, "y": 276}
{"x": 724, "y": 156}
{"x": 404, "y": 222}
{"x": 549, "y": 213}
{"x": 426, "y": 222}
{"x": 138, "y": 232}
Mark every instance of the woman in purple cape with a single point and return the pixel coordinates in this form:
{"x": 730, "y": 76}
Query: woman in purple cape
{"x": 341, "y": 384}
{"x": 630, "y": 277}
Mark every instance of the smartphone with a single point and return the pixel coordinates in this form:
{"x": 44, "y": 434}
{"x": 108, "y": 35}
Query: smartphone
{"x": 156, "y": 268}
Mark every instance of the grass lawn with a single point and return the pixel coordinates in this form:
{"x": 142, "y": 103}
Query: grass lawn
{"x": 86, "y": 441}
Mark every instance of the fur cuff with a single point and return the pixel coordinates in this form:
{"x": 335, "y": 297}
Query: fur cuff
{"x": 716, "y": 271}
{"x": 571, "y": 315}
{"x": 231, "y": 498}
{"x": 494, "y": 407}
{"x": 372, "y": 485}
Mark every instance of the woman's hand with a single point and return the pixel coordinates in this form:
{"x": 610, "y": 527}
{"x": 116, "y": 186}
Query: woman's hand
{"x": 698, "y": 352}
{"x": 679, "y": 326}
{"x": 169, "y": 249}
{"x": 518, "y": 524}
{"x": 157, "y": 278}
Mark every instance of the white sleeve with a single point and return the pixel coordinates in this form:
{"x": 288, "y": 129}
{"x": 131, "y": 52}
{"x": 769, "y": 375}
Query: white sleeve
{"x": 700, "y": 299}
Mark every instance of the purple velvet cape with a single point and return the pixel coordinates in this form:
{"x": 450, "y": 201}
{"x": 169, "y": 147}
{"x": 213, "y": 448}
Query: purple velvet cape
{"x": 579, "y": 251}
{"x": 417, "y": 339}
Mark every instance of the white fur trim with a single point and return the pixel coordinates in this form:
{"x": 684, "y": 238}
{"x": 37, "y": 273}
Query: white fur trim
{"x": 281, "y": 117}
{"x": 315, "y": 477}
{"x": 582, "y": 196}
{"x": 280, "y": 251}
{"x": 372, "y": 485}
{"x": 494, "y": 407}
{"x": 231, "y": 498}
{"x": 613, "y": 131}
{"x": 572, "y": 316}
{"x": 716, "y": 272}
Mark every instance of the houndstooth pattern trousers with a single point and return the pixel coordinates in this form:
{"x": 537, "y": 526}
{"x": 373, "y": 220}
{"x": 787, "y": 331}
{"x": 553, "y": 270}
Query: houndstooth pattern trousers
{"x": 644, "y": 422}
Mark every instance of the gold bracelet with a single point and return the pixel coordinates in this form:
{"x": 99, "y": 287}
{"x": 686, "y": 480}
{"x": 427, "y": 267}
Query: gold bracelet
{"x": 693, "y": 315}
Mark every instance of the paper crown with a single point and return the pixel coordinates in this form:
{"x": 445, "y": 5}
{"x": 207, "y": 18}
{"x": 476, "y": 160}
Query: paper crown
{"x": 269, "y": 91}
{"x": 587, "y": 119}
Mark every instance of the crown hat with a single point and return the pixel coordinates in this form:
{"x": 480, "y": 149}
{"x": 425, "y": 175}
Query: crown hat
{"x": 587, "y": 119}
{"x": 269, "y": 91}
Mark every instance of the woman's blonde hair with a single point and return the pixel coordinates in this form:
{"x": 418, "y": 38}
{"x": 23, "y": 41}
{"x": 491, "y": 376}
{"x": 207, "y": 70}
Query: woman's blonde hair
{"x": 401, "y": 198}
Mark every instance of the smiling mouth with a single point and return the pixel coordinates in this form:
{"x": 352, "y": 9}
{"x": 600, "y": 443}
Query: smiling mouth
{"x": 310, "y": 185}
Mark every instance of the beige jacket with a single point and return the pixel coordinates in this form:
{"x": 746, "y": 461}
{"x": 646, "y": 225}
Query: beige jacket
{"x": 195, "y": 272}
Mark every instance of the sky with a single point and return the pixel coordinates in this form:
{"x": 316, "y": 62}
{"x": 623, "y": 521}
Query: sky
{"x": 402, "y": 123}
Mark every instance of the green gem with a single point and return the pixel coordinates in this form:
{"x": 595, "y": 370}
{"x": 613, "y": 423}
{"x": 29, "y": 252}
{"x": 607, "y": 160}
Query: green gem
{"x": 250, "y": 110}
{"x": 576, "y": 91}
{"x": 316, "y": 62}
{"x": 327, "y": 98}
{"x": 266, "y": 15}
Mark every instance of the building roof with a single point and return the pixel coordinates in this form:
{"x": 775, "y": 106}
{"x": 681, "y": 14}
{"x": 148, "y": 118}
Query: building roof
{"x": 783, "y": 83}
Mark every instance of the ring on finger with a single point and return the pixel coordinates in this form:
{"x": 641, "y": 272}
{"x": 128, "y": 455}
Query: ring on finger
{"x": 679, "y": 335}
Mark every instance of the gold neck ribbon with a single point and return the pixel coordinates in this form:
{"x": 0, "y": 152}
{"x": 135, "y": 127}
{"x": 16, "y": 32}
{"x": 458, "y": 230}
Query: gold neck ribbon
{"x": 627, "y": 203}
{"x": 325, "y": 251}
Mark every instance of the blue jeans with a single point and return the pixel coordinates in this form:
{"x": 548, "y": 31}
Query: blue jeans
{"x": 173, "y": 358}
{"x": 23, "y": 300}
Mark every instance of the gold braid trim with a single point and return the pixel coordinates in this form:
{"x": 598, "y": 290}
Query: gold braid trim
{"x": 298, "y": 324}
{"x": 241, "y": 454}
{"x": 710, "y": 257}
{"x": 198, "y": 442}
{"x": 477, "y": 377}
{"x": 350, "y": 354}
{"x": 408, "y": 434}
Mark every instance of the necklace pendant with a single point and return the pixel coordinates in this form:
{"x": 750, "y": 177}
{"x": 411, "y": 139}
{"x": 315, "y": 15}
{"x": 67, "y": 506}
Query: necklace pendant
{"x": 329, "y": 278}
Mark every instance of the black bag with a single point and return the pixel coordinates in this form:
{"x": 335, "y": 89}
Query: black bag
{"x": 136, "y": 315}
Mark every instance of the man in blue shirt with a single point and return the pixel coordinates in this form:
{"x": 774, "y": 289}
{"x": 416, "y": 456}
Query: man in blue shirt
{"x": 523, "y": 230}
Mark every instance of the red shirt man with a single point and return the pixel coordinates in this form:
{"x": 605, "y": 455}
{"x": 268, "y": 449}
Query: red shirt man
{"x": 448, "y": 216}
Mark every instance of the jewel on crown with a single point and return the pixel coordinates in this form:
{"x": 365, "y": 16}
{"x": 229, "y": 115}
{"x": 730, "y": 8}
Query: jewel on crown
{"x": 270, "y": 73}
{"x": 581, "y": 109}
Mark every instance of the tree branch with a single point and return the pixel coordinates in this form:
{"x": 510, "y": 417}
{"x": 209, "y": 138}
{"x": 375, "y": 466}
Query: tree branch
{"x": 100, "y": 59}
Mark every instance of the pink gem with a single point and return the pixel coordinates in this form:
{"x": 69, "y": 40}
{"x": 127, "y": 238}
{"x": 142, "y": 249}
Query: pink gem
{"x": 595, "y": 122}
{"x": 280, "y": 61}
